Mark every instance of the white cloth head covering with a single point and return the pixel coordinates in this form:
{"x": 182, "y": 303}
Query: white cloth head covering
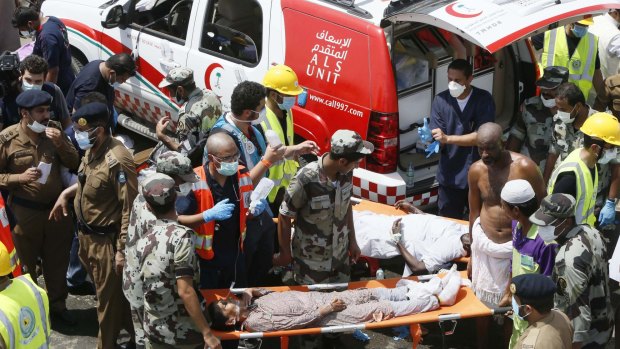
{"x": 517, "y": 191}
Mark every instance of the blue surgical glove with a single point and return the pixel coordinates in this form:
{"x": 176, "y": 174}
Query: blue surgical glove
{"x": 259, "y": 208}
{"x": 608, "y": 213}
{"x": 425, "y": 132}
{"x": 432, "y": 148}
{"x": 221, "y": 211}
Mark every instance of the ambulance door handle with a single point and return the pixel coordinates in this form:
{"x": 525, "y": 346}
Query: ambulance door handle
{"x": 168, "y": 64}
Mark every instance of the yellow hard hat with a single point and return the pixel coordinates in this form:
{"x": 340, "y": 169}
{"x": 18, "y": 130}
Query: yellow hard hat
{"x": 586, "y": 21}
{"x": 602, "y": 126}
{"x": 282, "y": 79}
{"x": 5, "y": 261}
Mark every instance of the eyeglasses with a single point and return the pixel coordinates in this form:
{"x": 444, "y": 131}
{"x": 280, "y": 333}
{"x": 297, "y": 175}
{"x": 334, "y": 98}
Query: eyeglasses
{"x": 231, "y": 158}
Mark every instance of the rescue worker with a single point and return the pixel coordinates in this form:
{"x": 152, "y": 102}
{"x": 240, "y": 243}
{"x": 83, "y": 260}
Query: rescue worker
{"x": 200, "y": 109}
{"x": 282, "y": 91}
{"x": 32, "y": 76}
{"x": 31, "y": 154}
{"x": 456, "y": 115}
{"x": 51, "y": 42}
{"x": 532, "y": 302}
{"x": 106, "y": 188}
{"x": 531, "y": 133}
{"x": 168, "y": 268}
{"x": 24, "y": 309}
{"x": 573, "y": 47}
{"x": 578, "y": 175}
{"x": 6, "y": 238}
{"x": 580, "y": 272}
{"x": 606, "y": 28}
{"x": 530, "y": 253}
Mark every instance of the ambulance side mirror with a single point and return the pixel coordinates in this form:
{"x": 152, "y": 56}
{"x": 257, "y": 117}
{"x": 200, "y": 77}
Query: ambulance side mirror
{"x": 113, "y": 17}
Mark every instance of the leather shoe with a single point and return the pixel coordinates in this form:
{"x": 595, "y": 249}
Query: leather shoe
{"x": 127, "y": 345}
{"x": 64, "y": 316}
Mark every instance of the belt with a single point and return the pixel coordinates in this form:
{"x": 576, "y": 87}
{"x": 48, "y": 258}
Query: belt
{"x": 89, "y": 229}
{"x": 39, "y": 206}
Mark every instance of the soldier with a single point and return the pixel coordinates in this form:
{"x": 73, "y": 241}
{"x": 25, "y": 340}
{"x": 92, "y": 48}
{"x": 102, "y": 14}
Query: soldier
{"x": 531, "y": 134}
{"x": 31, "y": 154}
{"x": 103, "y": 196}
{"x": 580, "y": 271}
{"x": 172, "y": 316}
{"x": 199, "y": 111}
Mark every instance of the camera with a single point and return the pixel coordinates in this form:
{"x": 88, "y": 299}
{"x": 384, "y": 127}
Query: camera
{"x": 9, "y": 71}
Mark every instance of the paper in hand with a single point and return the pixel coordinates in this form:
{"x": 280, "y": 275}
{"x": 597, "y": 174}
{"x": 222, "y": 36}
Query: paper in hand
{"x": 45, "y": 169}
{"x": 614, "y": 264}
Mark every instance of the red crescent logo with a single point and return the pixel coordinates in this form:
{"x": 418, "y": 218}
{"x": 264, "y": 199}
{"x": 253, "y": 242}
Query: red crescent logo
{"x": 451, "y": 10}
{"x": 208, "y": 72}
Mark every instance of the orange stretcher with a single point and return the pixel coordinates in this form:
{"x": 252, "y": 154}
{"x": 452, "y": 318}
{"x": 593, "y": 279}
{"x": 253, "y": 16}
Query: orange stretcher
{"x": 365, "y": 205}
{"x": 466, "y": 306}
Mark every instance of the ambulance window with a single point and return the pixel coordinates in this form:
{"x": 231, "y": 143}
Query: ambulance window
{"x": 164, "y": 18}
{"x": 234, "y": 30}
{"x": 410, "y": 63}
{"x": 483, "y": 59}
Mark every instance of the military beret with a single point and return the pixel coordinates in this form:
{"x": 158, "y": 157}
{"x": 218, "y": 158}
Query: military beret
{"x": 33, "y": 98}
{"x": 91, "y": 113}
{"x": 178, "y": 76}
{"x": 158, "y": 189}
{"x": 532, "y": 286}
{"x": 173, "y": 163}
{"x": 346, "y": 142}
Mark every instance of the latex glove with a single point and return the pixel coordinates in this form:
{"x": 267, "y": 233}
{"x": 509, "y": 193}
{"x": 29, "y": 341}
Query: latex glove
{"x": 608, "y": 213}
{"x": 432, "y": 148}
{"x": 259, "y": 208}
{"x": 221, "y": 211}
{"x": 425, "y": 132}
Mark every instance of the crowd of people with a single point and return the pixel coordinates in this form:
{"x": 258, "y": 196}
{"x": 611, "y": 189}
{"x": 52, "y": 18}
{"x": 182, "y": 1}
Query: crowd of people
{"x": 541, "y": 205}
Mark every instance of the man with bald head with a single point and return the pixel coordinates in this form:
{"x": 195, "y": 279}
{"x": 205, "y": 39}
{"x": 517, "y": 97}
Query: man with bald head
{"x": 222, "y": 195}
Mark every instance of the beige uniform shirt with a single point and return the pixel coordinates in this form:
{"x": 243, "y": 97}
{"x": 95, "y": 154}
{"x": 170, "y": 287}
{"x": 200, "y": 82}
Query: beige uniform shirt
{"x": 106, "y": 195}
{"x": 552, "y": 332}
{"x": 18, "y": 153}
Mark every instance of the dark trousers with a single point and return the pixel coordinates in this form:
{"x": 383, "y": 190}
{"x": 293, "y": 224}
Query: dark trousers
{"x": 452, "y": 202}
{"x": 258, "y": 249}
{"x": 76, "y": 273}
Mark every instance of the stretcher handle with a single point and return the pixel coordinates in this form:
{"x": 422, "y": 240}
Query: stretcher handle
{"x": 324, "y": 287}
{"x": 500, "y": 310}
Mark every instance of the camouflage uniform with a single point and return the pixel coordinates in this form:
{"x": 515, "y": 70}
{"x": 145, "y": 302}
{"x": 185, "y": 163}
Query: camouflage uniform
{"x": 165, "y": 253}
{"x": 322, "y": 211}
{"x": 581, "y": 276}
{"x": 534, "y": 130}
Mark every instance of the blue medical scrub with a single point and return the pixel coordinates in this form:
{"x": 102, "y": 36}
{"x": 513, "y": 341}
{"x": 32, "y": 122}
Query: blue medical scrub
{"x": 52, "y": 44}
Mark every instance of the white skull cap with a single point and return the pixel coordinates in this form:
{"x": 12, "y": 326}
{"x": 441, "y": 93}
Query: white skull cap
{"x": 517, "y": 191}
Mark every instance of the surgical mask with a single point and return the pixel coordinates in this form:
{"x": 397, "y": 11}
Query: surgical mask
{"x": 27, "y": 86}
{"x": 455, "y": 89}
{"x": 287, "y": 103}
{"x": 515, "y": 309}
{"x": 549, "y": 103}
{"x": 114, "y": 83}
{"x": 84, "y": 140}
{"x": 184, "y": 189}
{"x": 579, "y": 31}
{"x": 546, "y": 232}
{"x": 36, "y": 127}
{"x": 608, "y": 155}
{"x": 27, "y": 34}
{"x": 565, "y": 117}
{"x": 179, "y": 100}
{"x": 261, "y": 117}
{"x": 228, "y": 168}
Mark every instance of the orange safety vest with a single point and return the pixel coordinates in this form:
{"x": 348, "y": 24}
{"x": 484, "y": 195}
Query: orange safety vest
{"x": 7, "y": 239}
{"x": 204, "y": 234}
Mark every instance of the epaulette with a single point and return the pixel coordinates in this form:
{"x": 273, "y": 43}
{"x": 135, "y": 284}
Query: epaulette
{"x": 7, "y": 136}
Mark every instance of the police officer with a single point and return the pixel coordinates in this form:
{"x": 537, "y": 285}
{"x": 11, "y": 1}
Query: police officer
{"x": 200, "y": 109}
{"x": 168, "y": 270}
{"x": 24, "y": 309}
{"x": 319, "y": 199}
{"x": 532, "y": 300}
{"x": 106, "y": 188}
{"x": 31, "y": 154}
{"x": 580, "y": 271}
{"x": 531, "y": 134}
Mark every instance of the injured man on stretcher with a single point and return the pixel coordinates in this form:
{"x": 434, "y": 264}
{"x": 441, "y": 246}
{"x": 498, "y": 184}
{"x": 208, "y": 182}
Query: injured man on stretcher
{"x": 427, "y": 242}
{"x": 259, "y": 310}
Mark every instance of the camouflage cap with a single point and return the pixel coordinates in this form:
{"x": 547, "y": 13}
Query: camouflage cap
{"x": 553, "y": 77}
{"x": 349, "y": 142}
{"x": 554, "y": 207}
{"x": 173, "y": 163}
{"x": 158, "y": 189}
{"x": 178, "y": 76}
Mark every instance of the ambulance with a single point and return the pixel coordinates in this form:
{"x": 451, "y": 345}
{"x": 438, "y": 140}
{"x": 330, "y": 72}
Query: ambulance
{"x": 372, "y": 66}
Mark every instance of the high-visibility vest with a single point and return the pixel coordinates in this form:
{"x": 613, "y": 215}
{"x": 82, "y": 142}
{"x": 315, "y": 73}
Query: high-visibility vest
{"x": 24, "y": 315}
{"x": 204, "y": 234}
{"x": 7, "y": 239}
{"x": 580, "y": 65}
{"x": 284, "y": 170}
{"x": 586, "y": 187}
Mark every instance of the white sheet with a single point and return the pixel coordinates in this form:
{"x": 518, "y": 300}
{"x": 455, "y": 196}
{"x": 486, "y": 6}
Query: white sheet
{"x": 433, "y": 240}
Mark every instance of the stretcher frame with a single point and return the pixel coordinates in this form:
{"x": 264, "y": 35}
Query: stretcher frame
{"x": 466, "y": 306}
